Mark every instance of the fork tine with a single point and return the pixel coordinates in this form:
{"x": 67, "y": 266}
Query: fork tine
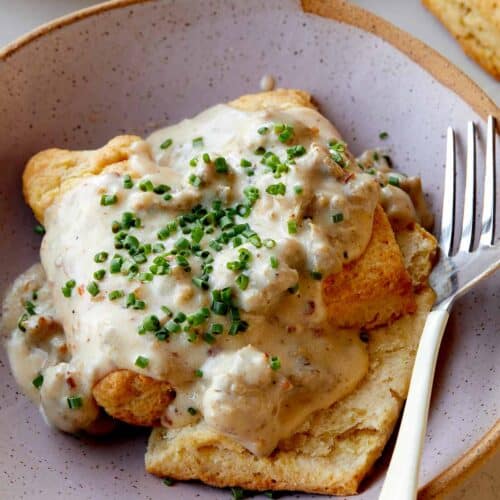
{"x": 467, "y": 238}
{"x": 488, "y": 219}
{"x": 448, "y": 212}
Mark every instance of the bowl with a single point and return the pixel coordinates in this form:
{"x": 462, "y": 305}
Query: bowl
{"x": 132, "y": 66}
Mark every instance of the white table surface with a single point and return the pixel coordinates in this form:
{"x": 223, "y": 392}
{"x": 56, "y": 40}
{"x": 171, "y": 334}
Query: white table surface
{"x": 20, "y": 16}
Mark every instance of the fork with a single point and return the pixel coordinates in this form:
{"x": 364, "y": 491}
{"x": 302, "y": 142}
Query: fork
{"x": 454, "y": 275}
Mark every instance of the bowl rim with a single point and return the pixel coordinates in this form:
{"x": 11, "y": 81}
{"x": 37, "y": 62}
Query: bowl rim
{"x": 427, "y": 58}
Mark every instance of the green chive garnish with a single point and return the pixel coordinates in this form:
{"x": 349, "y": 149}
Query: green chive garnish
{"x": 383, "y": 135}
{"x": 146, "y": 185}
{"x": 100, "y": 257}
{"x": 127, "y": 182}
{"x": 141, "y": 362}
{"x": 263, "y": 130}
{"x": 275, "y": 363}
{"x": 198, "y": 142}
{"x": 242, "y": 281}
{"x": 198, "y": 373}
{"x": 393, "y": 180}
{"x": 74, "y": 402}
{"x": 221, "y": 166}
{"x": 245, "y": 163}
{"x": 292, "y": 227}
{"x": 274, "y": 262}
{"x": 108, "y": 199}
{"x": 99, "y": 274}
{"x": 115, "y": 294}
{"x": 298, "y": 189}
{"x": 194, "y": 180}
{"x": 93, "y": 288}
{"x": 339, "y": 217}
{"x": 166, "y": 143}
{"x": 38, "y": 381}
{"x": 39, "y": 229}
{"x": 276, "y": 189}
{"x": 67, "y": 289}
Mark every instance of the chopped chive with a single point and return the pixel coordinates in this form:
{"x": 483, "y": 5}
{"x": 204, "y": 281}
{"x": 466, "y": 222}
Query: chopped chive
{"x": 38, "y": 381}
{"x": 108, "y": 199}
{"x": 145, "y": 277}
{"x": 192, "y": 411}
{"x": 127, "y": 182}
{"x": 93, "y": 288}
{"x": 193, "y": 161}
{"x": 198, "y": 373}
{"x": 296, "y": 151}
{"x": 383, "y": 135}
{"x": 208, "y": 338}
{"x": 259, "y": 151}
{"x": 316, "y": 275}
{"x": 237, "y": 326}
{"x": 39, "y": 229}
{"x": 298, "y": 189}
{"x": 206, "y": 158}
{"x": 263, "y": 130}
{"x": 166, "y": 143}
{"x": 219, "y": 308}
{"x": 338, "y": 217}
{"x": 161, "y": 188}
{"x": 274, "y": 262}
{"x": 200, "y": 283}
{"x": 245, "y": 163}
{"x": 30, "y": 308}
{"x": 216, "y": 328}
{"x": 376, "y": 156}
{"x": 100, "y": 257}
{"x": 141, "y": 362}
{"x": 116, "y": 264}
{"x": 276, "y": 189}
{"x": 167, "y": 481}
{"x": 275, "y": 363}
{"x": 221, "y": 166}
{"x": 269, "y": 243}
{"x": 67, "y": 289}
{"x": 242, "y": 281}
{"x": 21, "y": 322}
{"x": 99, "y": 274}
{"x": 74, "y": 402}
{"x": 252, "y": 194}
{"x": 149, "y": 323}
{"x": 393, "y": 180}
{"x": 146, "y": 185}
{"x": 195, "y": 180}
{"x": 292, "y": 227}
{"x": 198, "y": 142}
{"x": 115, "y": 294}
{"x": 284, "y": 132}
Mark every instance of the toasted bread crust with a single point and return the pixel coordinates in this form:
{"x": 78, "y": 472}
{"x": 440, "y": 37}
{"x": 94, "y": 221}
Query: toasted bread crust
{"x": 476, "y": 26}
{"x": 373, "y": 289}
{"x": 133, "y": 398}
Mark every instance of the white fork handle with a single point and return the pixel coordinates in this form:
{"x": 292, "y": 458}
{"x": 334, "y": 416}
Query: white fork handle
{"x": 401, "y": 481}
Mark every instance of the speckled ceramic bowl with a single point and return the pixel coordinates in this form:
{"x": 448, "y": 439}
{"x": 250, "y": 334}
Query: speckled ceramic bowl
{"x": 131, "y": 66}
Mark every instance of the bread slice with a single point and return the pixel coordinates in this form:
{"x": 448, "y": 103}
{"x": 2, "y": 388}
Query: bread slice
{"x": 373, "y": 289}
{"x": 334, "y": 449}
{"x": 476, "y": 26}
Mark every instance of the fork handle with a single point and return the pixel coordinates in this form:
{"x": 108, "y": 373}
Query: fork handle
{"x": 401, "y": 481}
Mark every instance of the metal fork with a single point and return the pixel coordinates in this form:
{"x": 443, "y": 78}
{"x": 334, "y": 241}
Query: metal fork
{"x": 453, "y": 276}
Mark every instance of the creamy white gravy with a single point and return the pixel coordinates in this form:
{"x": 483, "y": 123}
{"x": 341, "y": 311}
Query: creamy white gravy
{"x": 251, "y": 351}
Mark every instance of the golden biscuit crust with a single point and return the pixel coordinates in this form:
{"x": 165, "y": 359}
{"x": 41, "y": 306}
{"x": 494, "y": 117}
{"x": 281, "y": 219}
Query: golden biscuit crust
{"x": 374, "y": 289}
{"x": 133, "y": 398}
{"x": 476, "y": 26}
